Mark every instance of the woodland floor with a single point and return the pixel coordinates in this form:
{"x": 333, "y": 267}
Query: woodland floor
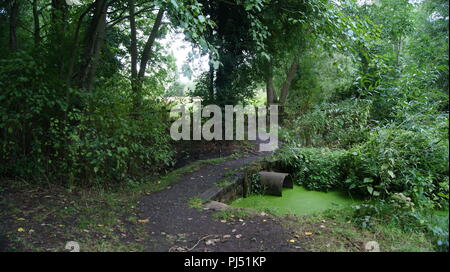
{"x": 45, "y": 218}
{"x": 165, "y": 214}
{"x": 175, "y": 223}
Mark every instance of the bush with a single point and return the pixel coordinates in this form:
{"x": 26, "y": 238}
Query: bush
{"x": 29, "y": 105}
{"x": 399, "y": 161}
{"x": 399, "y": 212}
{"x": 391, "y": 161}
{"x": 111, "y": 143}
{"x": 338, "y": 125}
{"x": 57, "y": 134}
{"x": 367, "y": 216}
{"x": 313, "y": 168}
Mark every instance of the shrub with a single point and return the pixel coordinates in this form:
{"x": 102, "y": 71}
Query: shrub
{"x": 111, "y": 144}
{"x": 313, "y": 168}
{"x": 398, "y": 211}
{"x": 57, "y": 134}
{"x": 338, "y": 125}
{"x": 29, "y": 105}
{"x": 391, "y": 161}
{"x": 252, "y": 179}
{"x": 399, "y": 161}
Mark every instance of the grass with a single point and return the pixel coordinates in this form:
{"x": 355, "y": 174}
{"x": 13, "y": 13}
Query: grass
{"x": 196, "y": 203}
{"x": 108, "y": 220}
{"x": 44, "y": 219}
{"x": 232, "y": 214}
{"x": 334, "y": 231}
{"x": 223, "y": 183}
{"x": 162, "y": 182}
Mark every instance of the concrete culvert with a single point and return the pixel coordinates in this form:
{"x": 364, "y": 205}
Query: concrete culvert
{"x": 274, "y": 182}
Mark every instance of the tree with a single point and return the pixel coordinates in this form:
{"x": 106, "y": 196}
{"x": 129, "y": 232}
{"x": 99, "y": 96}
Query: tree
{"x": 427, "y": 48}
{"x": 237, "y": 34}
{"x": 14, "y": 6}
{"x": 137, "y": 75}
{"x": 293, "y": 26}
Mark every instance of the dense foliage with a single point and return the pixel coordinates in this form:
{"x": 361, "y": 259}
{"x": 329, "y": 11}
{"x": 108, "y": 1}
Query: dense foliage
{"x": 314, "y": 168}
{"x": 363, "y": 87}
{"x": 49, "y": 136}
{"x": 386, "y": 131}
{"x": 396, "y": 160}
{"x": 338, "y": 125}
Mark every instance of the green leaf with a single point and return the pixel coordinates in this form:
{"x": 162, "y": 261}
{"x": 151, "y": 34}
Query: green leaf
{"x": 368, "y": 180}
{"x": 391, "y": 174}
{"x": 174, "y": 3}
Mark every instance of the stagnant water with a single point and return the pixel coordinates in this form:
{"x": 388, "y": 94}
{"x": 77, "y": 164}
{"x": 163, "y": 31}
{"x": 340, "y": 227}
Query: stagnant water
{"x": 296, "y": 201}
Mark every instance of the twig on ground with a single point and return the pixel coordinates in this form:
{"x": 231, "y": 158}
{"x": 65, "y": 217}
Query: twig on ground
{"x": 196, "y": 244}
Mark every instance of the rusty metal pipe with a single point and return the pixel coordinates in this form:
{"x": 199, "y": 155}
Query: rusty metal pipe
{"x": 274, "y": 182}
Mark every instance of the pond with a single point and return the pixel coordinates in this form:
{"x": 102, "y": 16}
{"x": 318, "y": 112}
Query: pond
{"x": 296, "y": 201}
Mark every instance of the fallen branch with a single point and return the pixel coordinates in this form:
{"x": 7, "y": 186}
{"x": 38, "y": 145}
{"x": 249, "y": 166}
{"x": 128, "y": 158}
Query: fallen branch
{"x": 196, "y": 244}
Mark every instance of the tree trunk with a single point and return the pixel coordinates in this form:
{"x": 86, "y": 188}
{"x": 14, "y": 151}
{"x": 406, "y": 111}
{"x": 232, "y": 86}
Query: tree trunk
{"x": 37, "y": 25}
{"x": 58, "y": 32}
{"x": 75, "y": 48}
{"x": 13, "y": 21}
{"x": 285, "y": 90}
{"x": 100, "y": 39}
{"x": 211, "y": 79}
{"x": 133, "y": 45}
{"x": 287, "y": 83}
{"x": 93, "y": 44}
{"x": 148, "y": 45}
{"x": 145, "y": 57}
{"x": 270, "y": 90}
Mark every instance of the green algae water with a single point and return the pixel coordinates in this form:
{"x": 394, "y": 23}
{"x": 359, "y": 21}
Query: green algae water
{"x": 296, "y": 201}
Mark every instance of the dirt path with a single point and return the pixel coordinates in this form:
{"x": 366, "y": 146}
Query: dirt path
{"x": 174, "y": 225}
